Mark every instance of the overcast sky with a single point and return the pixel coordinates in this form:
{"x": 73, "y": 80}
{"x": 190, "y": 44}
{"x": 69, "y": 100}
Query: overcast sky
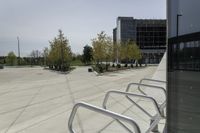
{"x": 37, "y": 21}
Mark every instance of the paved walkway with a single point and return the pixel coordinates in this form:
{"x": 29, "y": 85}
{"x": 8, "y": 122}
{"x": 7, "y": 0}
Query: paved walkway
{"x": 34, "y": 100}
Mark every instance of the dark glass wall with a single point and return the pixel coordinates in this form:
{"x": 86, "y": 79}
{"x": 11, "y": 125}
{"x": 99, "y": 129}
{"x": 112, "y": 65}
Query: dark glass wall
{"x": 149, "y": 34}
{"x": 151, "y": 38}
{"x": 183, "y": 105}
{"x": 128, "y": 29}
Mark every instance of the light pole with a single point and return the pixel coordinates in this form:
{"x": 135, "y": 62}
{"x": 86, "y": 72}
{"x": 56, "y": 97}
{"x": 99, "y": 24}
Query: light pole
{"x": 177, "y": 24}
{"x": 18, "y": 50}
{"x": 177, "y": 38}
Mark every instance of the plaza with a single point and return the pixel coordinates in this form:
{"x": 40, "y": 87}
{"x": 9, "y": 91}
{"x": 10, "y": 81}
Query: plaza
{"x": 39, "y": 100}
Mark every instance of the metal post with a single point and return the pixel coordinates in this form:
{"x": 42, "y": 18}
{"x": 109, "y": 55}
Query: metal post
{"x": 177, "y": 24}
{"x": 61, "y": 50}
{"x": 18, "y": 50}
{"x": 155, "y": 129}
{"x": 177, "y": 34}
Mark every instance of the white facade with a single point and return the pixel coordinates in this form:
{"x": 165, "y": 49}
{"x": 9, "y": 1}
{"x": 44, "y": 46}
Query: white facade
{"x": 189, "y": 22}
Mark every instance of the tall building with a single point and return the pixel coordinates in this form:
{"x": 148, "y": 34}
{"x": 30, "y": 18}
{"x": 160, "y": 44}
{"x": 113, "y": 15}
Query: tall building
{"x": 126, "y": 29}
{"x": 183, "y": 73}
{"x": 149, "y": 35}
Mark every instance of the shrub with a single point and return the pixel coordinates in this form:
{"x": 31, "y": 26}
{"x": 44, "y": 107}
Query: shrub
{"x": 66, "y": 67}
{"x": 118, "y": 65}
{"x": 100, "y": 68}
{"x": 1, "y": 66}
{"x": 131, "y": 65}
{"x": 107, "y": 66}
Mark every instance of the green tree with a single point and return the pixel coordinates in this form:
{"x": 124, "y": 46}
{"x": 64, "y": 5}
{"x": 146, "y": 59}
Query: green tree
{"x": 102, "y": 48}
{"x": 116, "y": 52}
{"x": 11, "y": 59}
{"x": 109, "y": 50}
{"x": 45, "y": 55}
{"x": 124, "y": 52}
{"x": 60, "y": 53}
{"x": 134, "y": 52}
{"x": 138, "y": 54}
{"x": 129, "y": 51}
{"x": 87, "y": 54}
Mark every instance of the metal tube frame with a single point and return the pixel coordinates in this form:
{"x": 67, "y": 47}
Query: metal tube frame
{"x": 154, "y": 124}
{"x": 146, "y": 85}
{"x": 134, "y": 95}
{"x": 154, "y": 119}
{"x": 161, "y": 106}
{"x": 101, "y": 111}
{"x": 152, "y": 87}
{"x": 118, "y": 117}
{"x": 152, "y": 80}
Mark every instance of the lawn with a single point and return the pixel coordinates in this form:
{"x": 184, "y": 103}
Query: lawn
{"x": 77, "y": 63}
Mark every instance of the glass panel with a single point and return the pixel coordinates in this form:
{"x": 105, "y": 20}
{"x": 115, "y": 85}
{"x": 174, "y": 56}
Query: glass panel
{"x": 183, "y": 77}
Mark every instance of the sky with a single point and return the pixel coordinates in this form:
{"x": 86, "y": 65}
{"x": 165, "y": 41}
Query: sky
{"x": 36, "y": 22}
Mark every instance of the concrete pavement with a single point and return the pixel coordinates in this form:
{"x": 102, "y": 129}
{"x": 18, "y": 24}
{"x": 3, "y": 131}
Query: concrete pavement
{"x": 34, "y": 100}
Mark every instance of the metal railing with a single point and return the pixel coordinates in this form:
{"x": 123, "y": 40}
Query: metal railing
{"x": 101, "y": 111}
{"x": 151, "y": 80}
{"x": 154, "y": 119}
{"x": 161, "y": 106}
{"x": 133, "y": 95}
{"x": 149, "y": 87}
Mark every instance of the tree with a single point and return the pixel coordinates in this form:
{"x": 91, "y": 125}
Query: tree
{"x": 129, "y": 51}
{"x": 87, "y": 54}
{"x": 123, "y": 49}
{"x": 134, "y": 51}
{"x": 102, "y": 47}
{"x": 60, "y": 53}
{"x": 11, "y": 59}
{"x": 36, "y": 57}
{"x": 124, "y": 52}
{"x": 109, "y": 49}
{"x": 116, "y": 52}
{"x": 45, "y": 55}
{"x": 138, "y": 54}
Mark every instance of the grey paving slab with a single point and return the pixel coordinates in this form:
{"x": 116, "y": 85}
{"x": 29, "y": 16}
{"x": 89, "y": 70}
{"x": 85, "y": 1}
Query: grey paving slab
{"x": 35, "y": 100}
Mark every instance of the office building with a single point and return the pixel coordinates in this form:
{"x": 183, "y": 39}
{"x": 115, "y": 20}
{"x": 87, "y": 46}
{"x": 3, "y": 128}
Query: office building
{"x": 183, "y": 73}
{"x": 149, "y": 35}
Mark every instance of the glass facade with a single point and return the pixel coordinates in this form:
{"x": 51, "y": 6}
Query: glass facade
{"x": 183, "y": 105}
{"x": 149, "y": 34}
{"x": 128, "y": 29}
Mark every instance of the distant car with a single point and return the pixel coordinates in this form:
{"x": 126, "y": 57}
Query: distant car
{"x": 1, "y": 66}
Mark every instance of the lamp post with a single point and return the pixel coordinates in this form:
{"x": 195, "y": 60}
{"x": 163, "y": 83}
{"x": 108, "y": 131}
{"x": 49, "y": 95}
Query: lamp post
{"x": 177, "y": 24}
{"x": 177, "y": 37}
{"x": 18, "y": 51}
